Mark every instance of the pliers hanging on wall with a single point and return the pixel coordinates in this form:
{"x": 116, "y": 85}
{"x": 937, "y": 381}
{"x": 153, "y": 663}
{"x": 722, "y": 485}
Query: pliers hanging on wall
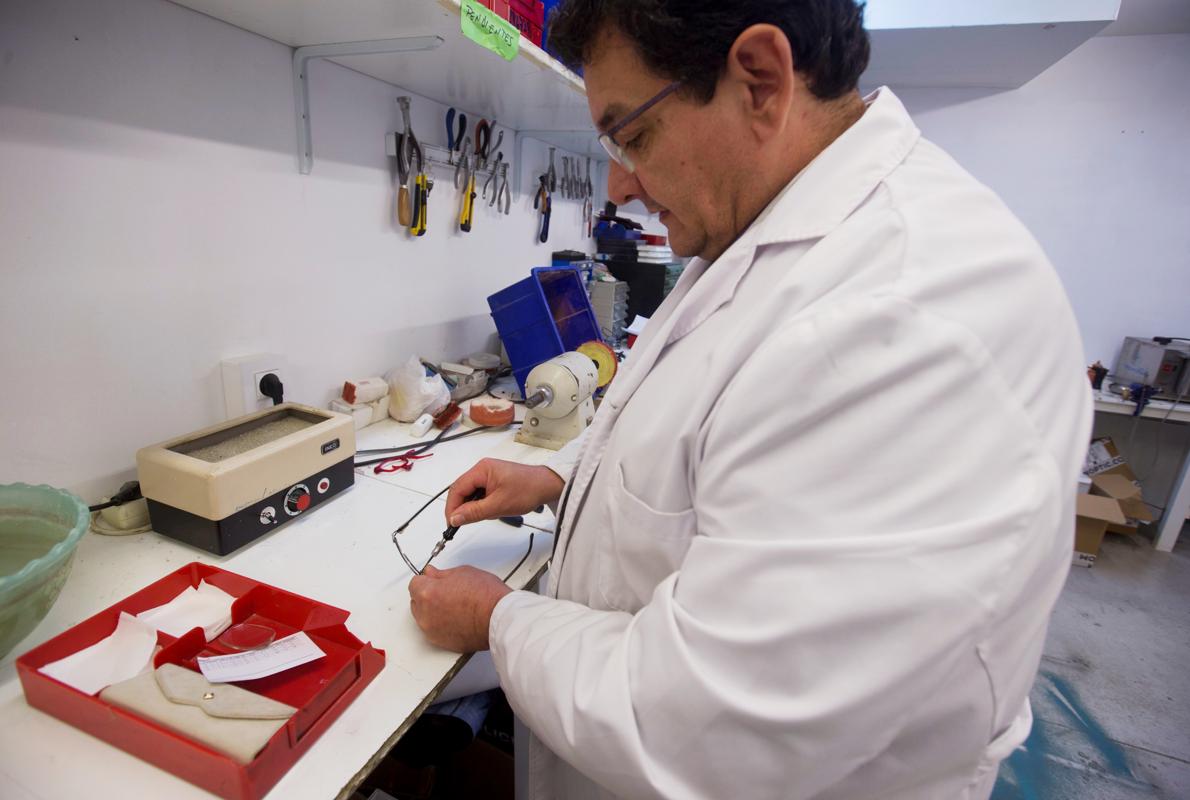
{"x": 462, "y": 166}
{"x": 406, "y": 142}
{"x": 499, "y": 138}
{"x": 544, "y": 202}
{"x": 403, "y": 213}
{"x": 491, "y": 178}
{"x": 483, "y": 141}
{"x": 453, "y": 142}
{"x": 504, "y": 196}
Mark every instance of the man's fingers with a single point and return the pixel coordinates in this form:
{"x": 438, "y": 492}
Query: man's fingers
{"x": 478, "y": 477}
{"x": 430, "y": 571}
{"x": 464, "y": 485}
{"x": 474, "y": 511}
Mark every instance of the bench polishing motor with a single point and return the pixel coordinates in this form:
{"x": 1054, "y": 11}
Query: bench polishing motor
{"x": 558, "y": 395}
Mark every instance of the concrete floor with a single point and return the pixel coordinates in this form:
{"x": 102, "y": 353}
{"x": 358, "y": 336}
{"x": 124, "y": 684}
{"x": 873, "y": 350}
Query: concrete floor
{"x": 1112, "y": 700}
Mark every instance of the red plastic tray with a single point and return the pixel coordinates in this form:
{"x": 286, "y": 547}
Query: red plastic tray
{"x": 320, "y": 690}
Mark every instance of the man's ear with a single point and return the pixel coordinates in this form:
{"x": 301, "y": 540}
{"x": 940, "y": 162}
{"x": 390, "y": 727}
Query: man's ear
{"x": 760, "y": 63}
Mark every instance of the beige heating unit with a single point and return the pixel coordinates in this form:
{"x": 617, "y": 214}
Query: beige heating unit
{"x": 225, "y": 486}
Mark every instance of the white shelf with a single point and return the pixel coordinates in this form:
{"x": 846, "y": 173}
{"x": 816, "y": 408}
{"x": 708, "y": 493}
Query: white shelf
{"x": 1110, "y": 403}
{"x": 994, "y": 43}
{"x": 991, "y": 56}
{"x": 532, "y": 93}
{"x": 541, "y": 99}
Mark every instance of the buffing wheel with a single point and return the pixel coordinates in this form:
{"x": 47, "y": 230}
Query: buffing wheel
{"x": 491, "y": 411}
{"x": 604, "y": 358}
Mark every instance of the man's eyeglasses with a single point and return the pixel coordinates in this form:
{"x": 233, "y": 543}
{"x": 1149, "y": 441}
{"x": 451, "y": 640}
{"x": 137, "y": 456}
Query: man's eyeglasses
{"x": 607, "y": 138}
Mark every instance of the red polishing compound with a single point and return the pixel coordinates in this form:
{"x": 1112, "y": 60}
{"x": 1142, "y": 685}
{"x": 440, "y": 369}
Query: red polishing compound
{"x": 447, "y": 416}
{"x": 492, "y": 412}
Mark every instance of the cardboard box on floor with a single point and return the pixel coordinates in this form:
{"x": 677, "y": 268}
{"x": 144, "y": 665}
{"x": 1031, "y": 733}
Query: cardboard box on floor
{"x": 1095, "y": 514}
{"x": 1127, "y": 493}
{"x": 1112, "y": 477}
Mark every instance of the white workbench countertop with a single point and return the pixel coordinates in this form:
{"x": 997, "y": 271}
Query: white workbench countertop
{"x": 342, "y": 555}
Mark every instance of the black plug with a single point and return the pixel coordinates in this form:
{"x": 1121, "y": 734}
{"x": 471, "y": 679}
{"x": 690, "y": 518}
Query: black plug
{"x": 128, "y": 492}
{"x": 271, "y": 387}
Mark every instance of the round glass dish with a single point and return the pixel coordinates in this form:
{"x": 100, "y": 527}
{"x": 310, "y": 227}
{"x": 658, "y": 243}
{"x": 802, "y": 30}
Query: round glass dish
{"x": 40, "y": 527}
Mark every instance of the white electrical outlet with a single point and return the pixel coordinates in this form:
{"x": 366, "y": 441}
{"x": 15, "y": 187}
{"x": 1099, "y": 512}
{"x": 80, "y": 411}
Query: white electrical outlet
{"x": 259, "y": 376}
{"x": 241, "y": 382}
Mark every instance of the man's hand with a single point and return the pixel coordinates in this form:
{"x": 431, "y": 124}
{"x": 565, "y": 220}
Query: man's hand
{"x": 509, "y": 489}
{"x": 453, "y": 607}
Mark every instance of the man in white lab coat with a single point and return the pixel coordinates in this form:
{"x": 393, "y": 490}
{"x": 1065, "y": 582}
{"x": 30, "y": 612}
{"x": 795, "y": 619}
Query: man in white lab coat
{"x": 810, "y": 544}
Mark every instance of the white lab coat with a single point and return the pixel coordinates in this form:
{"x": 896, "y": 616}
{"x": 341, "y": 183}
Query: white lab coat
{"x": 819, "y": 523}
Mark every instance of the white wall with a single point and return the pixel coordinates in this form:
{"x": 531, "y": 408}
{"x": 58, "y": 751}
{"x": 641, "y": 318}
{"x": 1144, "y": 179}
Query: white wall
{"x": 885, "y": 14}
{"x": 1094, "y": 156}
{"x": 153, "y": 222}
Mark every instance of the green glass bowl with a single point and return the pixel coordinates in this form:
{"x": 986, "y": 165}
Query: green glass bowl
{"x": 40, "y": 527}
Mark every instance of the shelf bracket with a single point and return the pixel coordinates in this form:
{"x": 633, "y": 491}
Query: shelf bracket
{"x": 301, "y": 84}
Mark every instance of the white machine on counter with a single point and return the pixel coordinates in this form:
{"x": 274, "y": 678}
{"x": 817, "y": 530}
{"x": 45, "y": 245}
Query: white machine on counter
{"x": 559, "y": 392}
{"x": 1160, "y": 362}
{"x": 224, "y": 486}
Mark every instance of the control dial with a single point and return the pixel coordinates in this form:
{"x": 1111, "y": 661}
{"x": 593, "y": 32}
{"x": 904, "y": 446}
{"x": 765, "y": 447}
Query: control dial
{"x": 297, "y": 500}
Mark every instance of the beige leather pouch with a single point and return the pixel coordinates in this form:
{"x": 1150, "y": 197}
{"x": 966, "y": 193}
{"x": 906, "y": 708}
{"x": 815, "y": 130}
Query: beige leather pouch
{"x": 226, "y": 718}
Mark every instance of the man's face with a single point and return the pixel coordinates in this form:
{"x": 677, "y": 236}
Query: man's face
{"x": 683, "y": 151}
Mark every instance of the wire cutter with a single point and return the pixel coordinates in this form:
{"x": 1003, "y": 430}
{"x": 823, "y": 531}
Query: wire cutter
{"x": 453, "y": 141}
{"x": 551, "y": 174}
{"x": 449, "y": 533}
{"x": 483, "y": 142}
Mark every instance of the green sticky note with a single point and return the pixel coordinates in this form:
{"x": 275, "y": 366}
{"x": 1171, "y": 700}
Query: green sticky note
{"x": 488, "y": 29}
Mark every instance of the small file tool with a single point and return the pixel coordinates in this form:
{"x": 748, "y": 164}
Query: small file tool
{"x": 450, "y": 532}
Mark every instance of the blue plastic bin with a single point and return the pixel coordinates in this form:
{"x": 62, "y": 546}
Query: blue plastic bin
{"x": 549, "y": 6}
{"x": 543, "y": 316}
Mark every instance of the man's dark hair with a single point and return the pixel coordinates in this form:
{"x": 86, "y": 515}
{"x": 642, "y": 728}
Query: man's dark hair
{"x": 688, "y": 40}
